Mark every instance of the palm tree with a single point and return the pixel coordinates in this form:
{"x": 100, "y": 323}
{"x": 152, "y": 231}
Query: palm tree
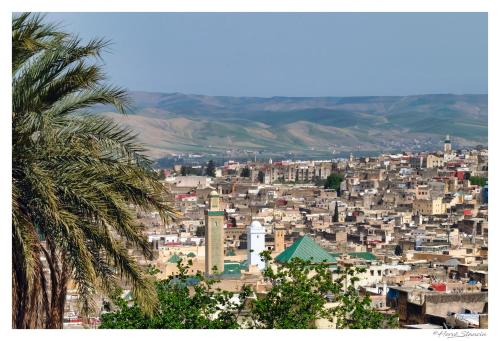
{"x": 75, "y": 179}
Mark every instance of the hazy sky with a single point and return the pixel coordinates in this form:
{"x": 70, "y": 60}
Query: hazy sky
{"x": 286, "y": 54}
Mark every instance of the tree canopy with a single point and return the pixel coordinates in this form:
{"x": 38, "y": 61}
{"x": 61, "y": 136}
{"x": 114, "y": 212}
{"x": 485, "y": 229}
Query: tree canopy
{"x": 333, "y": 181}
{"x": 299, "y": 293}
{"x": 245, "y": 172}
{"x": 185, "y": 302}
{"x": 74, "y": 175}
{"x": 260, "y": 176}
{"x": 478, "y": 180}
{"x": 210, "y": 170}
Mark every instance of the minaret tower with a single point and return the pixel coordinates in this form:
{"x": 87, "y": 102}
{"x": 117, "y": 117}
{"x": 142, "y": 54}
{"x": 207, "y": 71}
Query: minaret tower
{"x": 447, "y": 145}
{"x": 214, "y": 235}
{"x": 256, "y": 243}
{"x": 279, "y": 240}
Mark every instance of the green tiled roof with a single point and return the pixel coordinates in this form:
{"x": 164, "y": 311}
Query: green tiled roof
{"x": 174, "y": 259}
{"x": 215, "y": 213}
{"x": 231, "y": 269}
{"x": 363, "y": 255}
{"x": 306, "y": 249}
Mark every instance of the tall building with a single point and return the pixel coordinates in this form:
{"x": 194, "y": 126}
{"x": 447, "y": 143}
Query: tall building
{"x": 279, "y": 240}
{"x": 447, "y": 145}
{"x": 256, "y": 243}
{"x": 214, "y": 235}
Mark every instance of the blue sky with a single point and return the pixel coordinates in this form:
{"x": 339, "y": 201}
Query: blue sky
{"x": 291, "y": 54}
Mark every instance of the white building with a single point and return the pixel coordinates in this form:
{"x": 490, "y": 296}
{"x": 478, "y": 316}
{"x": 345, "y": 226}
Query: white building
{"x": 256, "y": 236}
{"x": 193, "y": 181}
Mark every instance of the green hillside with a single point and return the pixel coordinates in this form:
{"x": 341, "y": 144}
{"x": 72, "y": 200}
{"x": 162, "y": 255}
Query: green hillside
{"x": 172, "y": 123}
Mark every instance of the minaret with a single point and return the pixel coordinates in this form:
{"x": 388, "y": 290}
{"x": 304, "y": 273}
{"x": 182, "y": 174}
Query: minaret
{"x": 279, "y": 240}
{"x": 447, "y": 145}
{"x": 256, "y": 243}
{"x": 214, "y": 235}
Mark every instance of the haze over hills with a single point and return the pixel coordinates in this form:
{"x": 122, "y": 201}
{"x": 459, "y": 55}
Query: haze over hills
{"x": 174, "y": 123}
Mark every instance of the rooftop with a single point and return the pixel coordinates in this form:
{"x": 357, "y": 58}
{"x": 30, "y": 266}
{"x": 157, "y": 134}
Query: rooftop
{"x": 306, "y": 249}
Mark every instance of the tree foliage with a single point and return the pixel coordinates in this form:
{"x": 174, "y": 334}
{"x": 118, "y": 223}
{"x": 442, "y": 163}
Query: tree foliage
{"x": 185, "y": 302}
{"x": 200, "y": 231}
{"x": 333, "y": 181}
{"x": 260, "y": 176}
{"x": 303, "y": 292}
{"x": 245, "y": 172}
{"x": 210, "y": 170}
{"x": 478, "y": 181}
{"x": 299, "y": 294}
{"x": 74, "y": 175}
{"x": 398, "y": 250}
{"x": 336, "y": 213}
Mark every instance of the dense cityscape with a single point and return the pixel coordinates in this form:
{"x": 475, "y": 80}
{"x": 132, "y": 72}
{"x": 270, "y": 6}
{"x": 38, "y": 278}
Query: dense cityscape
{"x": 319, "y": 191}
{"x": 416, "y": 222}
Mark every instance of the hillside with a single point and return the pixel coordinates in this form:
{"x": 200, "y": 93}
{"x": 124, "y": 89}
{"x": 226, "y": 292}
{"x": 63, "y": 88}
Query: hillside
{"x": 173, "y": 123}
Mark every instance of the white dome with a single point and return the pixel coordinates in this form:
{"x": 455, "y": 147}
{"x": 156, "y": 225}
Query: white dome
{"x": 214, "y": 193}
{"x": 255, "y": 225}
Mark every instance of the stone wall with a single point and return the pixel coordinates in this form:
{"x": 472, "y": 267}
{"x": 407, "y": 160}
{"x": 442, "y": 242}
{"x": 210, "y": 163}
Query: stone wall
{"x": 442, "y": 304}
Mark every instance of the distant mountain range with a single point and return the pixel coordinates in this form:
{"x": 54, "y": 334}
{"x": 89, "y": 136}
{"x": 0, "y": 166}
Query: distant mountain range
{"x": 178, "y": 123}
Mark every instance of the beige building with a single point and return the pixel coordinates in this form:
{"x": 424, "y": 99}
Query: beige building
{"x": 422, "y": 192}
{"x": 434, "y": 161}
{"x": 428, "y": 206}
{"x": 214, "y": 235}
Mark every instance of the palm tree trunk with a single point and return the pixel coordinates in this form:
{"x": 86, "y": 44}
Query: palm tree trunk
{"x": 58, "y": 286}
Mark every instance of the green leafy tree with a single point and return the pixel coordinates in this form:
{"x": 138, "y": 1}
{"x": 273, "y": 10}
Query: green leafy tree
{"x": 210, "y": 170}
{"x": 354, "y": 311}
{"x": 478, "y": 181}
{"x": 74, "y": 175}
{"x": 200, "y": 231}
{"x": 296, "y": 299}
{"x": 398, "y": 251}
{"x": 303, "y": 292}
{"x": 184, "y": 170}
{"x": 300, "y": 293}
{"x": 260, "y": 176}
{"x": 336, "y": 213}
{"x": 185, "y": 302}
{"x": 245, "y": 172}
{"x": 333, "y": 181}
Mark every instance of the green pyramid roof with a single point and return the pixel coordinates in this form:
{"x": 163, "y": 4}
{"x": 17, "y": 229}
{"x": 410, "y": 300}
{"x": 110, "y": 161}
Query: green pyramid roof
{"x": 174, "y": 259}
{"x": 306, "y": 249}
{"x": 191, "y": 254}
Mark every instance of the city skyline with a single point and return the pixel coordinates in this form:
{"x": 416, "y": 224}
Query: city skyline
{"x": 160, "y": 209}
